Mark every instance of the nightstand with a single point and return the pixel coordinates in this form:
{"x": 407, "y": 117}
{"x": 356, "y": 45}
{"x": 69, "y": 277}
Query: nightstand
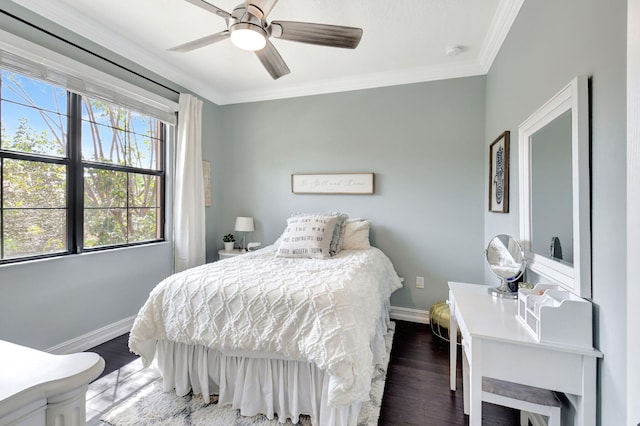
{"x": 222, "y": 254}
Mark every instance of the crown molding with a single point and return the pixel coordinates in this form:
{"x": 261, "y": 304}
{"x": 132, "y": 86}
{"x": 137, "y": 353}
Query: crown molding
{"x": 501, "y": 23}
{"x": 360, "y": 82}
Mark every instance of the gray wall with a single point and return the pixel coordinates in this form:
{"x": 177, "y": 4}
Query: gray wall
{"x": 212, "y": 152}
{"x": 45, "y": 303}
{"x": 422, "y": 141}
{"x": 550, "y": 43}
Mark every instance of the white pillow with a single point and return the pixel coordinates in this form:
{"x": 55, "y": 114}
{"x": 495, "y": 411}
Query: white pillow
{"x": 356, "y": 235}
{"x": 338, "y": 232}
{"x": 307, "y": 236}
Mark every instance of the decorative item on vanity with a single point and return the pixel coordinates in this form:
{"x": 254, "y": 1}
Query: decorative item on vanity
{"x": 552, "y": 314}
{"x": 228, "y": 241}
{"x": 244, "y": 225}
{"x": 506, "y": 260}
{"x": 555, "y": 249}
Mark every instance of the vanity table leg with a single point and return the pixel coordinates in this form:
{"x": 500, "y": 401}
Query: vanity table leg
{"x": 465, "y": 378}
{"x": 475, "y": 382}
{"x": 586, "y": 411}
{"x": 453, "y": 340}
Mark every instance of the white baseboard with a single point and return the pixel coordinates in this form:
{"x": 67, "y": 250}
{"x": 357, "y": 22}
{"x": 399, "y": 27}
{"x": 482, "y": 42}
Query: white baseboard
{"x": 93, "y": 338}
{"x": 408, "y": 314}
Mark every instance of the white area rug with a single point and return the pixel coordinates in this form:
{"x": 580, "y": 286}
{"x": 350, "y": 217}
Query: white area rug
{"x": 151, "y": 406}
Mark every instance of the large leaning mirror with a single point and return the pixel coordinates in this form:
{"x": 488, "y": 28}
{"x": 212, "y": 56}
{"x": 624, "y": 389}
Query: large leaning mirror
{"x": 554, "y": 189}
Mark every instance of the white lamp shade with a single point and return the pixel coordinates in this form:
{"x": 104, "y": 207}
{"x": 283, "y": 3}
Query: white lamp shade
{"x": 244, "y": 224}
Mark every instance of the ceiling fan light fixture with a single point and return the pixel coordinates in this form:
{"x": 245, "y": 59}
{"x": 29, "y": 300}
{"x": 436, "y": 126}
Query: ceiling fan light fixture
{"x": 248, "y": 36}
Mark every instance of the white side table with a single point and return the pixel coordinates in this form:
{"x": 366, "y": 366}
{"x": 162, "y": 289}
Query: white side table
{"x": 223, "y": 254}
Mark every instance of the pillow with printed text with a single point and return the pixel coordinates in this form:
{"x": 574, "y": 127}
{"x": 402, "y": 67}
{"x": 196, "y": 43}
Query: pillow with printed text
{"x": 307, "y": 236}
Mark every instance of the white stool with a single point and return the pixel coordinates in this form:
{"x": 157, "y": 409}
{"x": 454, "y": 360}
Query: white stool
{"x": 522, "y": 397}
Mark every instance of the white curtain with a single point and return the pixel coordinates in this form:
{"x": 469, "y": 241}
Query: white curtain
{"x": 188, "y": 200}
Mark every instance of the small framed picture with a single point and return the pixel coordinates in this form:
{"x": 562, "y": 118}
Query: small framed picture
{"x": 206, "y": 175}
{"x": 499, "y": 174}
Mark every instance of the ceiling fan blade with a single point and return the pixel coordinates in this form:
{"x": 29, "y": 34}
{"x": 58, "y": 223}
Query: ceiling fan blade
{"x": 272, "y": 61}
{"x": 322, "y": 34}
{"x": 201, "y": 42}
{"x": 211, "y": 8}
{"x": 264, "y": 6}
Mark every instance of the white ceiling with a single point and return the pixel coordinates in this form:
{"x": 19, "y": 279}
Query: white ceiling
{"x": 404, "y": 41}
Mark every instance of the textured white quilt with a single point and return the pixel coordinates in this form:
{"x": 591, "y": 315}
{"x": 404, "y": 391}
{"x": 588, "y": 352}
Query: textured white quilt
{"x": 318, "y": 310}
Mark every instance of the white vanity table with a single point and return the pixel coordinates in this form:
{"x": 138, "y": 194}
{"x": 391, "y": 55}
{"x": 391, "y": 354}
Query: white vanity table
{"x": 498, "y": 346}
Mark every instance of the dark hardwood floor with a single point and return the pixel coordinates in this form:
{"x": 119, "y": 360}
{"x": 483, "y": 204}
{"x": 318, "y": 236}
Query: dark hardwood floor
{"x": 115, "y": 353}
{"x": 417, "y": 386}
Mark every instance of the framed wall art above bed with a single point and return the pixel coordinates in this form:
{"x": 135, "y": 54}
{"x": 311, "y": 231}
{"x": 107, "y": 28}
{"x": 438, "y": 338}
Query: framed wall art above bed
{"x": 332, "y": 183}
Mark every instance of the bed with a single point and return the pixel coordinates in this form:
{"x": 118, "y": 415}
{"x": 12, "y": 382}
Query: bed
{"x": 282, "y": 331}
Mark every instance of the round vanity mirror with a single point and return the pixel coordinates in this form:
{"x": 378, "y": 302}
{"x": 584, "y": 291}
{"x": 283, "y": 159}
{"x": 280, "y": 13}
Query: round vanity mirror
{"x": 506, "y": 260}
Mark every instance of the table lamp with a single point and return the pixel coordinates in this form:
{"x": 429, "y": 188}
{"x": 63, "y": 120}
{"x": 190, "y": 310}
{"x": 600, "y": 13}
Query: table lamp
{"x": 244, "y": 225}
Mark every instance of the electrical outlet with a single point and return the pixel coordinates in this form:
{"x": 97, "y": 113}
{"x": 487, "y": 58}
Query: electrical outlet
{"x": 419, "y": 282}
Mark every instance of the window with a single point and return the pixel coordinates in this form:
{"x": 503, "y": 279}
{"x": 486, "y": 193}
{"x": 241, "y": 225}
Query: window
{"x": 122, "y": 175}
{"x": 76, "y": 173}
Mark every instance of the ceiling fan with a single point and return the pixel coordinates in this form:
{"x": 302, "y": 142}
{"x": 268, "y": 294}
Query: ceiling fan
{"x": 248, "y": 29}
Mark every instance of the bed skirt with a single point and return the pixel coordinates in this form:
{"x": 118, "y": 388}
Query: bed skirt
{"x": 258, "y": 384}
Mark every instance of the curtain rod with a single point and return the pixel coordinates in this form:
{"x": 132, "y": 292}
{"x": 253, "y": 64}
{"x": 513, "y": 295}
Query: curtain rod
{"x": 77, "y": 46}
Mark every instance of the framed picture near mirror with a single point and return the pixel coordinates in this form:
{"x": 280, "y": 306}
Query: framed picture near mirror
{"x": 499, "y": 174}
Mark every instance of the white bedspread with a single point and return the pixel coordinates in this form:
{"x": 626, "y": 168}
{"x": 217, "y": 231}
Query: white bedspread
{"x": 318, "y": 310}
